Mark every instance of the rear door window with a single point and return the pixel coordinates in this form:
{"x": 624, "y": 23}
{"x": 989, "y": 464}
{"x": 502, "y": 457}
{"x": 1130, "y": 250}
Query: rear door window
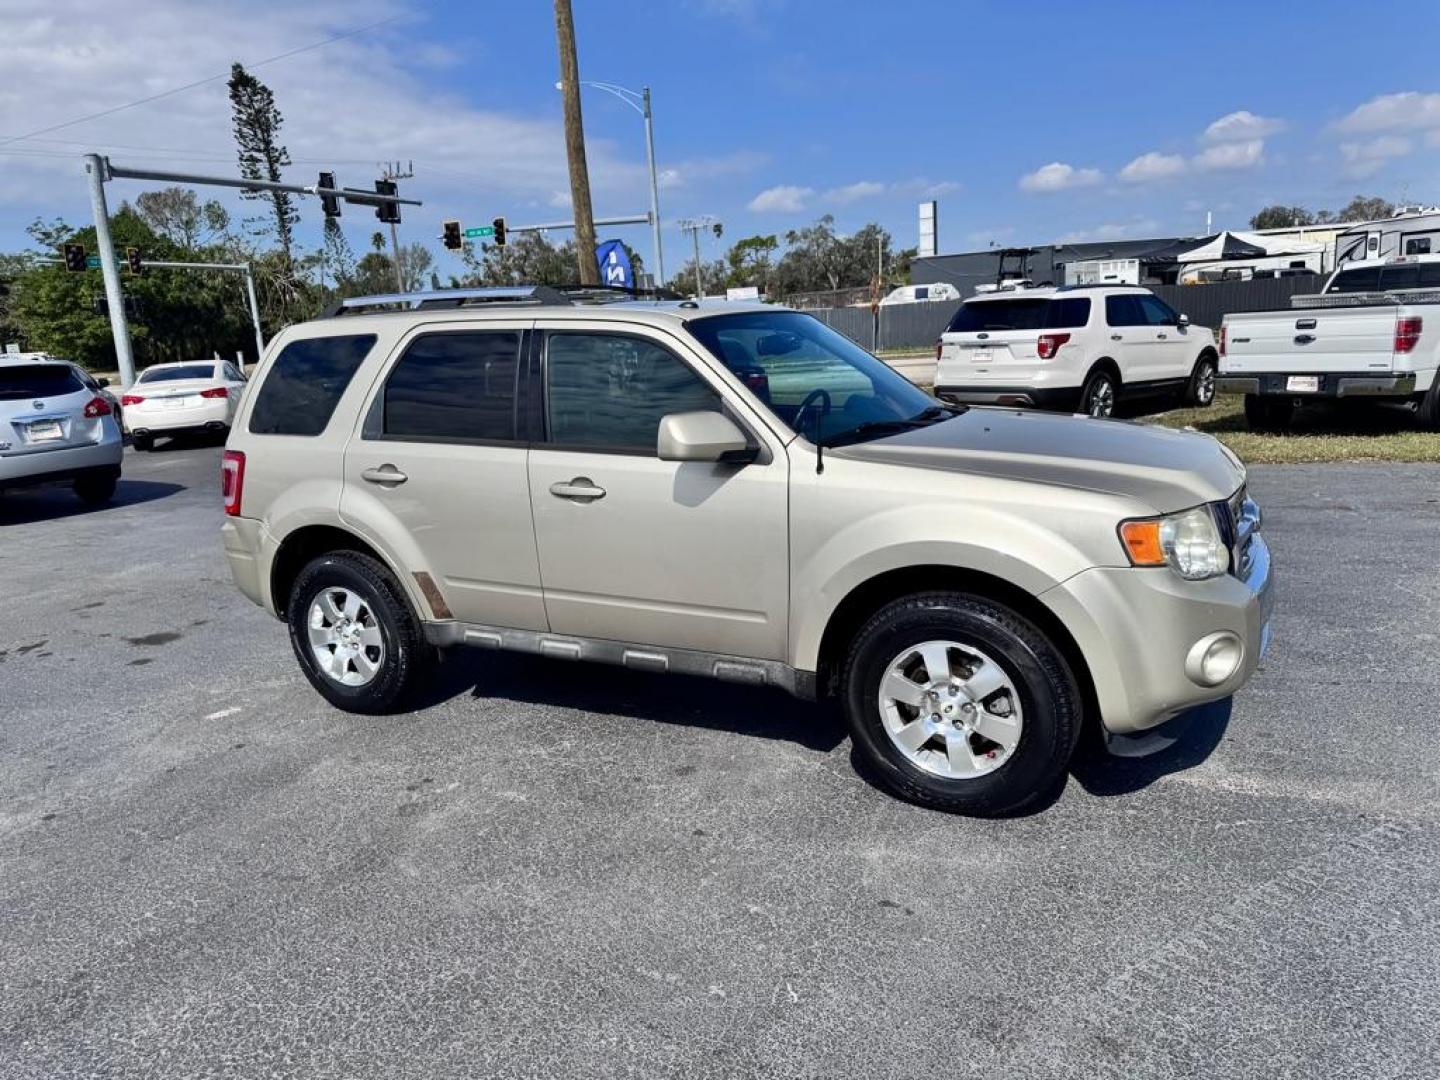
{"x": 1125, "y": 310}
{"x": 304, "y": 384}
{"x": 454, "y": 387}
{"x": 37, "y": 381}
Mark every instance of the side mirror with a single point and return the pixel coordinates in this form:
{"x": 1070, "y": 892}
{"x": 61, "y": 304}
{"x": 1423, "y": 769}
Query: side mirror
{"x": 1183, "y": 321}
{"x": 700, "y": 436}
{"x": 102, "y": 383}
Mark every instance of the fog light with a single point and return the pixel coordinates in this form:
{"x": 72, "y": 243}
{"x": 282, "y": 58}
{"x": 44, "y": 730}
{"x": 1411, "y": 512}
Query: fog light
{"x": 1214, "y": 658}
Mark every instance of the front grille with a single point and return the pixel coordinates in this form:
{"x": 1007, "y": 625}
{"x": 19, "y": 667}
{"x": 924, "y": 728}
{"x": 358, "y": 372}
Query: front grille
{"x": 1240, "y": 519}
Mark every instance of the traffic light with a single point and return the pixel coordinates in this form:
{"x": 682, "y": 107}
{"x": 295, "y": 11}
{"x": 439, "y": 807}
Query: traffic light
{"x": 330, "y": 203}
{"x": 499, "y": 224}
{"x": 132, "y": 260}
{"x": 450, "y": 234}
{"x": 388, "y": 212}
{"x": 74, "y": 256}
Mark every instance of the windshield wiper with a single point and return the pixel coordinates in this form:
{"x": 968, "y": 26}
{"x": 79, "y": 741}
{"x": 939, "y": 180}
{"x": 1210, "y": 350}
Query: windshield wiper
{"x": 932, "y": 415}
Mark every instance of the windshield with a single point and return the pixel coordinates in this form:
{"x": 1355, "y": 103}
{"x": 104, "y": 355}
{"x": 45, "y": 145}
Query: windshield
{"x": 37, "y": 381}
{"x": 175, "y": 374}
{"x": 817, "y": 381}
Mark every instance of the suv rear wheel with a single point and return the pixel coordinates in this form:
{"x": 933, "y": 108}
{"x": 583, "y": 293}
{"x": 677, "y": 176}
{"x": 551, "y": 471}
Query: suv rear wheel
{"x": 959, "y": 703}
{"x": 354, "y": 634}
{"x": 1099, "y": 394}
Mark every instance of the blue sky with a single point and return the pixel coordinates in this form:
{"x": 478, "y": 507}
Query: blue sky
{"x": 1029, "y": 122}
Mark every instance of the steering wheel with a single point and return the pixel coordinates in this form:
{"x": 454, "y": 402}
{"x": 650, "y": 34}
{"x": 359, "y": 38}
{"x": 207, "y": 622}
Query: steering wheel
{"x": 819, "y": 394}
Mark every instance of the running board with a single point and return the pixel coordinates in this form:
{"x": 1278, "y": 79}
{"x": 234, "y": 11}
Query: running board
{"x": 740, "y": 669}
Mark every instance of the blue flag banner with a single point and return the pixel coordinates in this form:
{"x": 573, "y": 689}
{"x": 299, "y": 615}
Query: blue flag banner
{"x": 615, "y": 268}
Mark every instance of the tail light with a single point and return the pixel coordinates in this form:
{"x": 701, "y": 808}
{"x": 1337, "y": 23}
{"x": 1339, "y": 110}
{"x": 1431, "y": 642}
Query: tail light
{"x": 232, "y": 480}
{"x": 1407, "y": 333}
{"x": 215, "y": 392}
{"x": 1049, "y": 345}
{"x": 1224, "y": 333}
{"x": 130, "y": 399}
{"x": 96, "y": 407}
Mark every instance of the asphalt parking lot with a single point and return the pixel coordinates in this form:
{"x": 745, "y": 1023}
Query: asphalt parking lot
{"x": 555, "y": 870}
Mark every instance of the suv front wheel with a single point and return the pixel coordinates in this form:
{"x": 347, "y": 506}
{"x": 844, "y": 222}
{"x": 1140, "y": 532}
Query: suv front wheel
{"x": 958, "y": 703}
{"x": 355, "y": 636}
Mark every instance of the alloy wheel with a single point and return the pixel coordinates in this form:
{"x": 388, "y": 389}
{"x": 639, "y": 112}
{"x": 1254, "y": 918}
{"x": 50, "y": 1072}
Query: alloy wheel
{"x": 345, "y": 637}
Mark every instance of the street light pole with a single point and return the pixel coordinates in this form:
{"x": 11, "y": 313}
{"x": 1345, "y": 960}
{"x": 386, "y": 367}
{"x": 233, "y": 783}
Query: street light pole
{"x": 641, "y": 103}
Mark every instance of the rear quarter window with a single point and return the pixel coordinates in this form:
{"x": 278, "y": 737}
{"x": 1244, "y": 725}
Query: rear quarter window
{"x": 304, "y": 384}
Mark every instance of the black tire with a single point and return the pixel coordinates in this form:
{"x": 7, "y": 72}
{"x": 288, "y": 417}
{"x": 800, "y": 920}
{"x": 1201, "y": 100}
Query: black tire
{"x": 142, "y": 443}
{"x": 1048, "y": 694}
{"x": 95, "y": 488}
{"x": 1268, "y": 413}
{"x": 1200, "y": 391}
{"x": 1429, "y": 411}
{"x": 405, "y": 654}
{"x": 1100, "y": 394}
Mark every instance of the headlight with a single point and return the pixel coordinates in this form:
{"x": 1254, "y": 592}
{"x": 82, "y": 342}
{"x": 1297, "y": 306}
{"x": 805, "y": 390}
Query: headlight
{"x": 1188, "y": 542}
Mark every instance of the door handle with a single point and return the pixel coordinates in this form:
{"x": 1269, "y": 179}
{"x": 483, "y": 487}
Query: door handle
{"x": 1161, "y": 337}
{"x": 386, "y": 475}
{"x": 1115, "y": 337}
{"x": 582, "y": 490}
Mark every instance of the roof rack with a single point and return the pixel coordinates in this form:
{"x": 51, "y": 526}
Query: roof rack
{"x": 523, "y": 295}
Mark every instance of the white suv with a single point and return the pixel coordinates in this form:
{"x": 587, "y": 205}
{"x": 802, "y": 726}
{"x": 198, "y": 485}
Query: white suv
{"x": 1076, "y": 348}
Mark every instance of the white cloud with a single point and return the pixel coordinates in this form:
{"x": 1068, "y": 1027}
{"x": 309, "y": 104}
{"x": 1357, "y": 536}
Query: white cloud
{"x": 1407, "y": 111}
{"x": 560, "y": 200}
{"x": 1241, "y": 126}
{"x": 1366, "y": 158}
{"x": 1112, "y": 231}
{"x": 1232, "y": 155}
{"x": 784, "y": 199}
{"x": 1058, "y": 176}
{"x": 861, "y": 189}
{"x": 1152, "y": 166}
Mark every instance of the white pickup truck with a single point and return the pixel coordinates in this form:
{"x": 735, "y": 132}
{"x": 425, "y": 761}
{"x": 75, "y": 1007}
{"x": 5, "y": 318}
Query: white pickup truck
{"x": 1372, "y": 333}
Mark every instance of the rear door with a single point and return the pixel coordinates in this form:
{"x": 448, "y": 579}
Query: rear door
{"x": 1131, "y": 343}
{"x": 437, "y": 473}
{"x": 42, "y": 408}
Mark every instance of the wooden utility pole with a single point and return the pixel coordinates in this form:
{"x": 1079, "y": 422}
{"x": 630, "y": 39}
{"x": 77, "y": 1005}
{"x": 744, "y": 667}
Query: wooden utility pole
{"x": 575, "y": 144}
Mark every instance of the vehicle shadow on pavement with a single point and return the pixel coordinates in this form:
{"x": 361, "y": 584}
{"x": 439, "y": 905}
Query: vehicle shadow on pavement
{"x": 760, "y": 712}
{"x": 1102, "y": 773}
{"x": 51, "y": 504}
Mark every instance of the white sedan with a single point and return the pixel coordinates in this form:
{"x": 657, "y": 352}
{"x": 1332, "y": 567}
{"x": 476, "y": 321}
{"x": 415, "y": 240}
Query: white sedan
{"x": 176, "y": 399}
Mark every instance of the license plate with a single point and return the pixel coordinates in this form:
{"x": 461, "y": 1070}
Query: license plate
{"x": 1303, "y": 384}
{"x": 980, "y": 356}
{"x": 45, "y": 431}
{"x": 178, "y": 402}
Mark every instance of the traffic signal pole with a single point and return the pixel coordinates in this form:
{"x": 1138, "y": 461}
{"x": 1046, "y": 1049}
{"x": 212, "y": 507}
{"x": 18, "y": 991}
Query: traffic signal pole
{"x": 98, "y": 169}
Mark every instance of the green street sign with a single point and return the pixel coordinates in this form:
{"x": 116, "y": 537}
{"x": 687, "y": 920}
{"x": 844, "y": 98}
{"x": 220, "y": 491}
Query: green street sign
{"x": 483, "y": 230}
{"x": 92, "y": 262}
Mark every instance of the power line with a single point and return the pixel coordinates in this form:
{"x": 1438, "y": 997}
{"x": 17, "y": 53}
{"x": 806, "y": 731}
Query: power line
{"x": 198, "y": 82}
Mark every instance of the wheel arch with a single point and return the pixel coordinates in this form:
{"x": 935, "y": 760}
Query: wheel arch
{"x": 874, "y": 593}
{"x": 309, "y": 542}
{"x": 1109, "y": 366}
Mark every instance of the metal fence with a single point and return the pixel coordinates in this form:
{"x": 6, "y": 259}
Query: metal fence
{"x": 917, "y": 326}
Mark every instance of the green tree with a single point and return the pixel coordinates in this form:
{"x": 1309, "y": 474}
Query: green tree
{"x": 256, "y": 123}
{"x": 529, "y": 259}
{"x": 1365, "y": 208}
{"x": 1282, "y": 217}
{"x": 750, "y": 261}
{"x": 177, "y": 214}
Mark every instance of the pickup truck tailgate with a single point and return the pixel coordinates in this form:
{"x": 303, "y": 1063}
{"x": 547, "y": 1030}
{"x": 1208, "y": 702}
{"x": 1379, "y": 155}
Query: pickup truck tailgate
{"x": 1315, "y": 340}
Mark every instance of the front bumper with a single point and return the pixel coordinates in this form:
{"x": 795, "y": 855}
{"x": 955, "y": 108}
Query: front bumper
{"x": 1331, "y": 384}
{"x": 1136, "y": 628}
